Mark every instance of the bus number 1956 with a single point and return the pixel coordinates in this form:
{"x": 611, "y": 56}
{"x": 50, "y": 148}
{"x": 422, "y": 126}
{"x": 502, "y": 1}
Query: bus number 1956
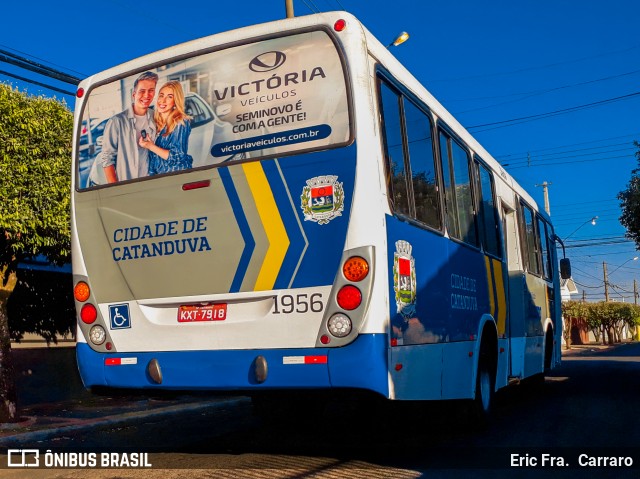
{"x": 300, "y": 303}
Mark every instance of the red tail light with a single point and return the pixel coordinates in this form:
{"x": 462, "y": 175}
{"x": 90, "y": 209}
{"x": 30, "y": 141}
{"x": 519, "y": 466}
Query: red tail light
{"x": 349, "y": 297}
{"x": 88, "y": 313}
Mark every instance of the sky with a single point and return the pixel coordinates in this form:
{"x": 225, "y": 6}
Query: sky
{"x": 550, "y": 88}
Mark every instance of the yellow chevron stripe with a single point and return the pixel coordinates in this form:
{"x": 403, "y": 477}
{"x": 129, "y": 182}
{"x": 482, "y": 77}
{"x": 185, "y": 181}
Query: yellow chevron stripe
{"x": 502, "y": 300}
{"x": 272, "y": 223}
{"x": 492, "y": 302}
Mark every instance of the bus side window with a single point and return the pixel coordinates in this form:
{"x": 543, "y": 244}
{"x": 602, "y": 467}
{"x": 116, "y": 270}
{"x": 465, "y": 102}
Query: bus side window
{"x": 487, "y": 212}
{"x": 423, "y": 168}
{"x": 544, "y": 249}
{"x": 530, "y": 243}
{"x": 394, "y": 153}
{"x": 458, "y": 192}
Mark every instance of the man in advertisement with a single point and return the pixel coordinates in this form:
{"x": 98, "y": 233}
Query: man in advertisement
{"x": 122, "y": 158}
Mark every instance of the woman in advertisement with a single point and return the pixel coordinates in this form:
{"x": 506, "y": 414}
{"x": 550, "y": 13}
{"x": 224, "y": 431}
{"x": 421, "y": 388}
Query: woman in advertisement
{"x": 169, "y": 152}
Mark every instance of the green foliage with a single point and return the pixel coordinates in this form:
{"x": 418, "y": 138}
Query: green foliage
{"x": 575, "y": 309}
{"x": 35, "y": 166}
{"x": 630, "y": 203}
{"x": 602, "y": 315}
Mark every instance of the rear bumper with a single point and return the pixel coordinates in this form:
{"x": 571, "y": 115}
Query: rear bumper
{"x": 362, "y": 365}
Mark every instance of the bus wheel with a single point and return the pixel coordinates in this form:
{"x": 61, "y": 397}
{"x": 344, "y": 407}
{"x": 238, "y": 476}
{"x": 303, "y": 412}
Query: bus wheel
{"x": 538, "y": 380}
{"x": 548, "y": 351}
{"x": 485, "y": 390}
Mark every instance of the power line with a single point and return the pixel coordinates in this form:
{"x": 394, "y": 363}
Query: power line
{"x": 605, "y": 254}
{"x": 533, "y": 161}
{"x": 540, "y": 92}
{"x": 543, "y": 92}
{"x": 528, "y": 156}
{"x": 538, "y": 165}
{"x": 587, "y": 286}
{"x": 313, "y": 8}
{"x": 42, "y": 60}
{"x": 603, "y": 243}
{"x": 587, "y": 274}
{"x": 634, "y": 135}
{"x": 596, "y": 238}
{"x": 563, "y": 111}
{"x": 33, "y": 66}
{"x": 50, "y": 87}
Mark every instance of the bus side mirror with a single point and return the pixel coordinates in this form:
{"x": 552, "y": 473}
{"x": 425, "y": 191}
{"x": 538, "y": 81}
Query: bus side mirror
{"x": 565, "y": 268}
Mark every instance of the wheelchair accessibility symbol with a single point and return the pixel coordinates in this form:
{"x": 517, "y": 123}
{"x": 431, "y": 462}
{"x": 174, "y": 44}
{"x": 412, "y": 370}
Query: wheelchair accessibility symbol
{"x": 119, "y": 314}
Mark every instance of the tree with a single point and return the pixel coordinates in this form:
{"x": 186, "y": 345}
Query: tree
{"x": 572, "y": 310}
{"x": 627, "y": 316}
{"x": 35, "y": 165}
{"x": 630, "y": 203}
{"x": 609, "y": 320}
{"x": 593, "y": 322}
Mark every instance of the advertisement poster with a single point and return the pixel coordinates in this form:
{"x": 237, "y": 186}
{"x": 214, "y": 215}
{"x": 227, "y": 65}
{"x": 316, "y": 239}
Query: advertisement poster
{"x": 261, "y": 99}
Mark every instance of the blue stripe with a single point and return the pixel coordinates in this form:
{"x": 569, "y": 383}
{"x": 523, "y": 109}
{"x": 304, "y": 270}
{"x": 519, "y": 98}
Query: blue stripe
{"x": 288, "y": 215}
{"x": 321, "y": 260}
{"x": 361, "y": 364}
{"x": 243, "y": 224}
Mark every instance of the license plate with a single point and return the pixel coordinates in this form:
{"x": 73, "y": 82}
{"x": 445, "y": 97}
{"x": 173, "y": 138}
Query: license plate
{"x": 208, "y": 312}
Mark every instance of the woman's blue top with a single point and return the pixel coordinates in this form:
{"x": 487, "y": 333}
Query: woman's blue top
{"x": 177, "y": 143}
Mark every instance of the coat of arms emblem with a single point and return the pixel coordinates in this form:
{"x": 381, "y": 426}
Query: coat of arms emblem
{"x": 404, "y": 279}
{"x": 322, "y": 199}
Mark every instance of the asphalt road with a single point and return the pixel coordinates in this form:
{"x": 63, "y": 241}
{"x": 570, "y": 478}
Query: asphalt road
{"x": 590, "y": 406}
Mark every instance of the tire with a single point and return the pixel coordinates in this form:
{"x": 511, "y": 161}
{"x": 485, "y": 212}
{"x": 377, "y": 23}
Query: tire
{"x": 482, "y": 404}
{"x": 548, "y": 351}
{"x": 538, "y": 380}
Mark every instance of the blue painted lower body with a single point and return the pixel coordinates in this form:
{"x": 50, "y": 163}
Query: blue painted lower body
{"x": 361, "y": 365}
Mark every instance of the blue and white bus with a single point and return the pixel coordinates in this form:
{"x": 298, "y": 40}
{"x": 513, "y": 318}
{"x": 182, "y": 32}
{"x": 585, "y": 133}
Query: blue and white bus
{"x": 336, "y": 229}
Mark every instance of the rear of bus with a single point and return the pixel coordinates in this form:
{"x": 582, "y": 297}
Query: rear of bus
{"x": 248, "y": 270}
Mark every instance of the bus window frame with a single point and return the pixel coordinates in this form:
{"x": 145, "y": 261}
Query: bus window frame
{"x": 347, "y": 76}
{"x": 480, "y": 163}
{"x": 547, "y": 239}
{"x": 523, "y": 237}
{"x": 382, "y": 75}
{"x": 444, "y": 128}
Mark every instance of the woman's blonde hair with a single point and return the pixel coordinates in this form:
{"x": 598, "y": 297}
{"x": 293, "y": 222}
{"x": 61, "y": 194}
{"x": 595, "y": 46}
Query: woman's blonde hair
{"x": 177, "y": 116}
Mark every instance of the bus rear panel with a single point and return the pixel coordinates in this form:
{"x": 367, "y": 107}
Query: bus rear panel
{"x": 228, "y": 275}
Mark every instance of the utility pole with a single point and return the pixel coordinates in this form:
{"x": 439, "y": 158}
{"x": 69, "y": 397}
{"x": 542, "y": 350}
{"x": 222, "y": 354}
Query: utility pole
{"x": 545, "y": 191}
{"x": 606, "y": 298}
{"x": 635, "y": 301}
{"x": 288, "y": 4}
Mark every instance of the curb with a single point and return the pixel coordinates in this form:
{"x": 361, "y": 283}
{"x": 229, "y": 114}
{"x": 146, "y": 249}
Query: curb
{"x": 118, "y": 419}
{"x": 594, "y": 349}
